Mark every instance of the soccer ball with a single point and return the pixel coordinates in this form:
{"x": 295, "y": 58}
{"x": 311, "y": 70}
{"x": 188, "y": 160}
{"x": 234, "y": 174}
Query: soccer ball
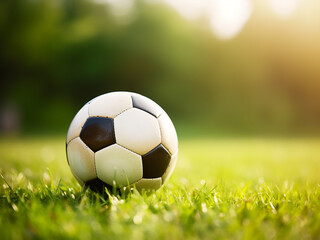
{"x": 122, "y": 139}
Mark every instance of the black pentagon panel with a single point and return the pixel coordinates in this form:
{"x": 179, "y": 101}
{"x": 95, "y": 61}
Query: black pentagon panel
{"x": 146, "y": 105}
{"x": 98, "y": 186}
{"x": 155, "y": 162}
{"x": 98, "y": 133}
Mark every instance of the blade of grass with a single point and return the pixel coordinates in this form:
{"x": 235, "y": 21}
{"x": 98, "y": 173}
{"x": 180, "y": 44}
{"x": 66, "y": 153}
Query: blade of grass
{"x": 6, "y": 182}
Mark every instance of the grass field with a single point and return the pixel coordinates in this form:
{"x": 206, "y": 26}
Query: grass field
{"x": 220, "y": 189}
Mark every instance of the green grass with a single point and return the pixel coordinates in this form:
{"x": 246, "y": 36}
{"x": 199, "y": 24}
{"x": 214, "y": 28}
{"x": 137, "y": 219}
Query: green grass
{"x": 220, "y": 189}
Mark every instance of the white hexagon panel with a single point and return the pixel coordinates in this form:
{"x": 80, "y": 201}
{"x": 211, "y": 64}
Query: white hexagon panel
{"x": 110, "y": 104}
{"x": 168, "y": 133}
{"x": 146, "y": 104}
{"x": 137, "y": 130}
{"x": 77, "y": 123}
{"x": 117, "y": 165}
{"x": 81, "y": 160}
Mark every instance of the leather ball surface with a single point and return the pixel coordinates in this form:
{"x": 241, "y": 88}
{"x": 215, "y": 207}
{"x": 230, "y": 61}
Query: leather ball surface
{"x": 122, "y": 139}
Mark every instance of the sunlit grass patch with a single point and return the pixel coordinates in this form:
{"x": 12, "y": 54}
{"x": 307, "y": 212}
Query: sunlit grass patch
{"x": 221, "y": 189}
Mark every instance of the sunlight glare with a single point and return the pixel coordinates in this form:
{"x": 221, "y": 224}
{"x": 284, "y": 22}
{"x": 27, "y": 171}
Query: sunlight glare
{"x": 284, "y": 7}
{"x": 190, "y": 9}
{"x": 228, "y": 17}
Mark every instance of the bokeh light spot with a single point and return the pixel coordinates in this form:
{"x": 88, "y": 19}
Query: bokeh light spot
{"x": 228, "y": 17}
{"x": 284, "y": 7}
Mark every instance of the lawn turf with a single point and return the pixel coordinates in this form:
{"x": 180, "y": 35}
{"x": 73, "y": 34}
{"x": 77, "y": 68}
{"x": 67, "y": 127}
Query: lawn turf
{"x": 220, "y": 189}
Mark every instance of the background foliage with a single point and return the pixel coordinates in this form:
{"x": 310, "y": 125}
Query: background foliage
{"x": 57, "y": 55}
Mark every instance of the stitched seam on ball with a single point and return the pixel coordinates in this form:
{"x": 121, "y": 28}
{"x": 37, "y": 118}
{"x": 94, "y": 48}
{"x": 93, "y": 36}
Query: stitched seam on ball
{"x": 127, "y": 108}
{"x": 165, "y": 149}
{"x": 108, "y": 116}
{"x": 123, "y": 111}
{"x": 73, "y": 139}
{"x": 78, "y": 135}
{"x": 159, "y": 130}
{"x": 129, "y": 150}
{"x": 100, "y": 116}
{"x": 161, "y": 137}
{"x": 175, "y": 153}
{"x": 161, "y": 114}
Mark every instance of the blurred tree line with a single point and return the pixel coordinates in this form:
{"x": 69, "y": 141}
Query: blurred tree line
{"x": 56, "y": 55}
